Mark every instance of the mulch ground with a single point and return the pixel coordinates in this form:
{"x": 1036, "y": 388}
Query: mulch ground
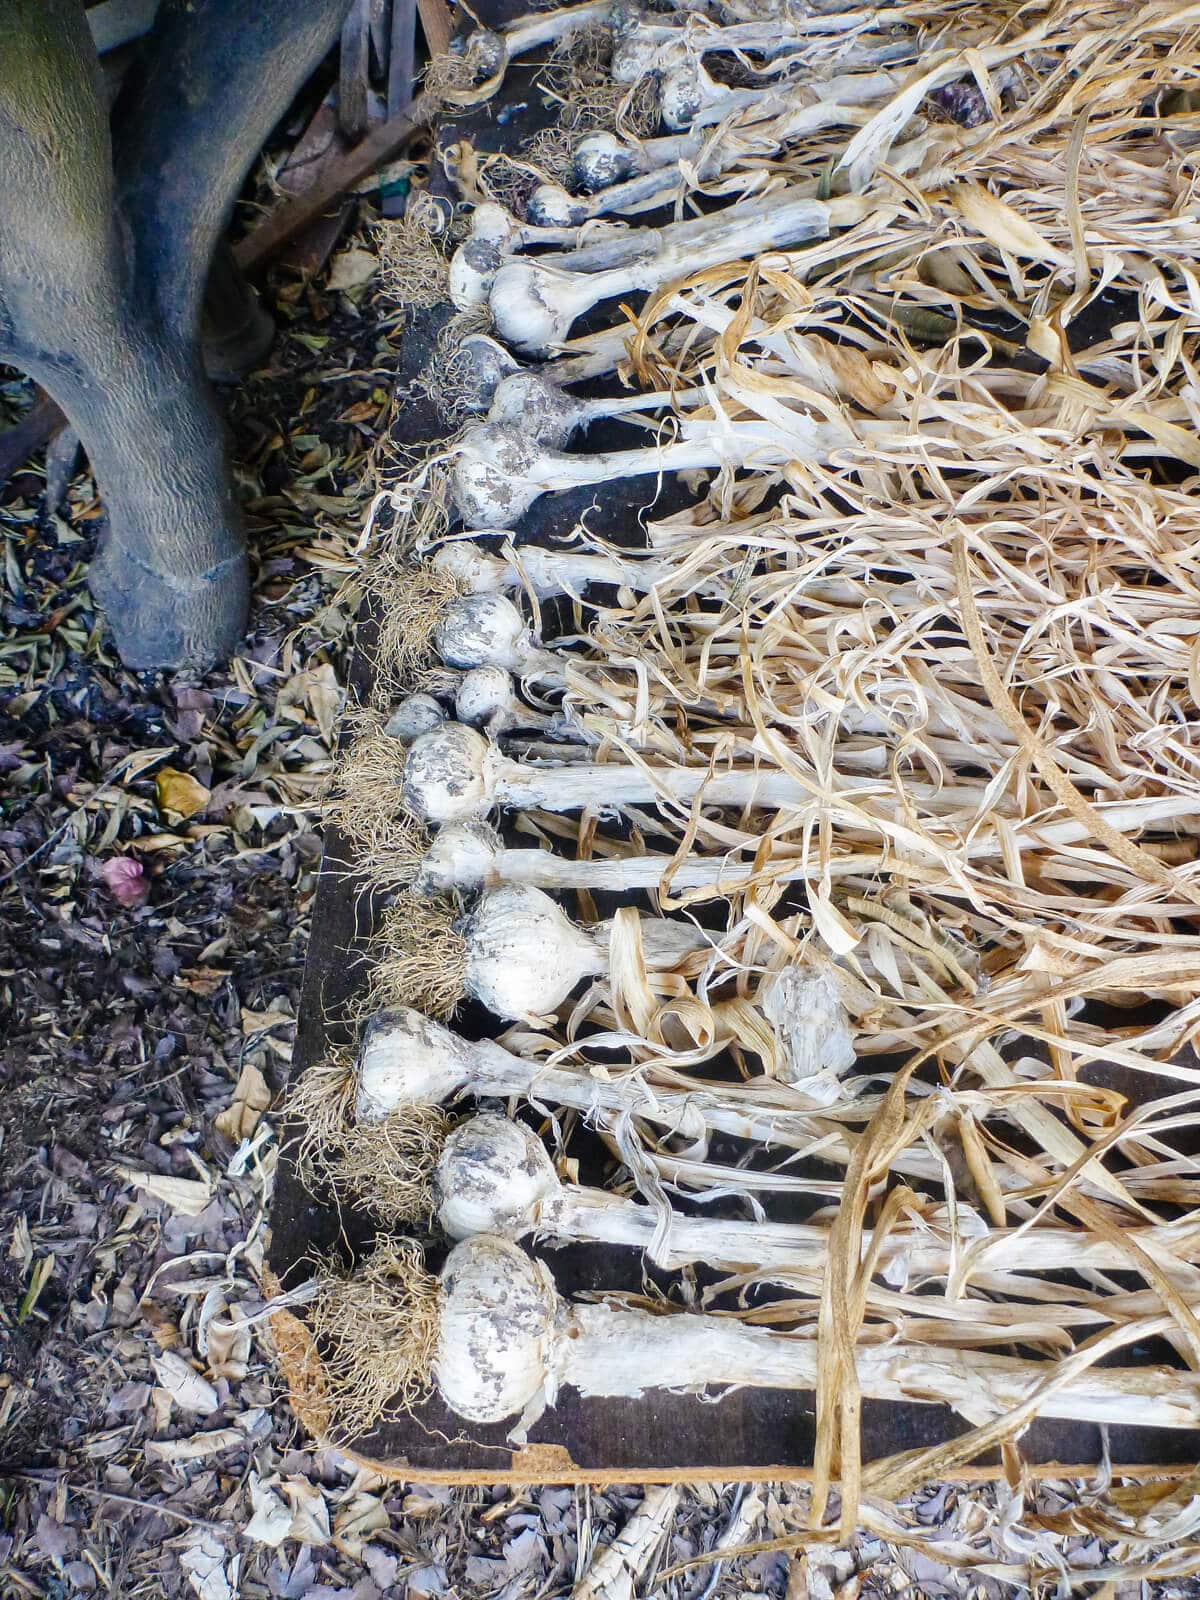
{"x": 159, "y": 848}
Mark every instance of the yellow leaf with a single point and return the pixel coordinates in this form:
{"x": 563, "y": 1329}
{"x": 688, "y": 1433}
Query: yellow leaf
{"x": 251, "y": 1098}
{"x": 180, "y": 792}
{"x": 264, "y": 1021}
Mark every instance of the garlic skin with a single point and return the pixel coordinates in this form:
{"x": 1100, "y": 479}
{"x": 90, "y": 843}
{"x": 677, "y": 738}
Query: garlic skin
{"x": 498, "y": 1313}
{"x": 490, "y": 1176}
{"x": 812, "y": 1032}
{"x": 525, "y": 955}
{"x": 415, "y": 715}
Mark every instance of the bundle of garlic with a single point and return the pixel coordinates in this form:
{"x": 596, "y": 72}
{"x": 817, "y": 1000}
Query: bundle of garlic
{"x": 899, "y": 707}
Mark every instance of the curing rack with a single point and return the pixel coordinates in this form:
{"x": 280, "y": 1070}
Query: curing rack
{"x": 663, "y": 1436}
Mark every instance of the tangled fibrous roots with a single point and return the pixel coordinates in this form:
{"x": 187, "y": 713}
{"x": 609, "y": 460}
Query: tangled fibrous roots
{"x": 449, "y": 377}
{"x": 384, "y": 1167}
{"x": 365, "y": 805}
{"x": 420, "y": 959}
{"x": 452, "y": 76}
{"x": 578, "y": 75}
{"x": 510, "y": 182}
{"x": 377, "y": 1330}
{"x": 410, "y": 600}
{"x": 413, "y": 268}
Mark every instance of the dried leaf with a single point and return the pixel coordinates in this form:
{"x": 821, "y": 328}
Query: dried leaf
{"x": 196, "y": 1448}
{"x": 310, "y": 1514}
{"x": 251, "y": 1097}
{"x": 351, "y": 269}
{"x": 189, "y": 1196}
{"x": 271, "y": 1522}
{"x": 183, "y": 1383}
{"x": 180, "y": 793}
{"x": 1005, "y": 227}
{"x": 356, "y": 1521}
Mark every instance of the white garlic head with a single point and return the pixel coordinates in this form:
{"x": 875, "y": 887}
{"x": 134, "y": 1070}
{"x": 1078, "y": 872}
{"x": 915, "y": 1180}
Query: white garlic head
{"x": 681, "y": 96}
{"x": 470, "y": 566}
{"x": 600, "y": 160}
{"x": 535, "y": 405}
{"x": 534, "y": 306}
{"x": 447, "y": 774}
{"x": 491, "y": 1177}
{"x": 496, "y": 1339}
{"x": 414, "y": 715}
{"x": 524, "y": 954}
{"x": 483, "y": 630}
{"x": 486, "y": 51}
{"x": 492, "y": 221}
{"x": 462, "y": 855}
{"x": 407, "y": 1060}
{"x": 637, "y": 51}
{"x": 550, "y": 206}
{"x": 491, "y": 479}
{"x": 472, "y": 271}
{"x": 474, "y": 370}
{"x": 484, "y": 693}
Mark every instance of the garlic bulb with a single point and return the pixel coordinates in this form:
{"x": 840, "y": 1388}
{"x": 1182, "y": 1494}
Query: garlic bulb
{"x": 525, "y": 955}
{"x": 488, "y": 630}
{"x": 491, "y": 1175}
{"x": 415, "y": 715}
{"x": 496, "y": 1332}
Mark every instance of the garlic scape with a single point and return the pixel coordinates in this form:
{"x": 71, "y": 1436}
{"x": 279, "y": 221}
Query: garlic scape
{"x": 508, "y": 1344}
